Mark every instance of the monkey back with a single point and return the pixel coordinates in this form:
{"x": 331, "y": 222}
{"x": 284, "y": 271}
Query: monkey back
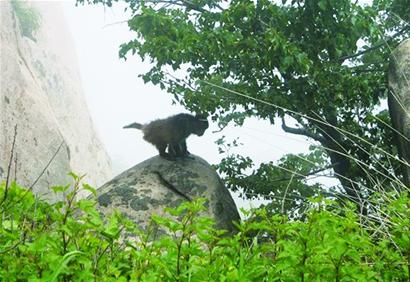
{"x": 174, "y": 129}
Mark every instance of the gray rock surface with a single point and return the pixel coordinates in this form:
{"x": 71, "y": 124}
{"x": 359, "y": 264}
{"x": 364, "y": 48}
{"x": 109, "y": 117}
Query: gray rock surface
{"x": 157, "y": 183}
{"x": 399, "y": 101}
{"x": 41, "y": 93}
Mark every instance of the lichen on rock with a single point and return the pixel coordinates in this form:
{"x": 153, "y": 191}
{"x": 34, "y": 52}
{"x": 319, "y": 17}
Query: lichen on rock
{"x": 140, "y": 192}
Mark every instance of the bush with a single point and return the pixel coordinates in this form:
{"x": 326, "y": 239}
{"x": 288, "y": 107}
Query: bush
{"x": 29, "y": 18}
{"x": 69, "y": 241}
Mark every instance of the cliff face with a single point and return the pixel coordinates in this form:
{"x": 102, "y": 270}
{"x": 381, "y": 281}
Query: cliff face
{"x": 41, "y": 94}
{"x": 399, "y": 102}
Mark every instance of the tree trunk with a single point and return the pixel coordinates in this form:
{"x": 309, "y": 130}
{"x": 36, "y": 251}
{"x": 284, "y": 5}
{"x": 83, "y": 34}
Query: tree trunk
{"x": 334, "y": 145}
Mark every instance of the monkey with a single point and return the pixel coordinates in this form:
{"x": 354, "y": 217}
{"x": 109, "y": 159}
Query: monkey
{"x": 172, "y": 133}
{"x": 179, "y": 149}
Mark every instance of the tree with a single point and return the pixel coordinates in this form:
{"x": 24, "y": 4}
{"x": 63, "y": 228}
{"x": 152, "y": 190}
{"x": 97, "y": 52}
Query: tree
{"x": 294, "y": 60}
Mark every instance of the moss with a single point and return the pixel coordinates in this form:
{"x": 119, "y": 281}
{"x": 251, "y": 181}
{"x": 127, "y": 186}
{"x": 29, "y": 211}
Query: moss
{"x": 104, "y": 200}
{"x": 29, "y": 18}
{"x": 40, "y": 68}
{"x": 125, "y": 193}
{"x": 140, "y": 204}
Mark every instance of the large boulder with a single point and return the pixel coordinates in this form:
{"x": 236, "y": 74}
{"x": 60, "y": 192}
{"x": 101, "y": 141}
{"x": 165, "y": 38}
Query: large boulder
{"x": 41, "y": 93}
{"x": 157, "y": 183}
{"x": 399, "y": 102}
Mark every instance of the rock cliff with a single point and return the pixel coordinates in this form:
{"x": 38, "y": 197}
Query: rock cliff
{"x": 399, "y": 102}
{"x": 41, "y": 94}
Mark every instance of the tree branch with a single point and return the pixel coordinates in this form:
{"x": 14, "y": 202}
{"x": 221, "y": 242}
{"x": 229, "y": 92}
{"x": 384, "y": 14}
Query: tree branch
{"x": 368, "y": 70}
{"x": 302, "y": 131}
{"x": 301, "y": 176}
{"x": 183, "y": 3}
{"x": 380, "y": 44}
{"x": 6, "y": 188}
{"x": 37, "y": 179}
{"x": 192, "y": 5}
{"x": 46, "y": 167}
{"x": 11, "y": 247}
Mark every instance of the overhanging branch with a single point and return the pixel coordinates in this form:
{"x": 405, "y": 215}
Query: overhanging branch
{"x": 383, "y": 42}
{"x": 302, "y": 131}
{"x": 302, "y": 176}
{"x": 183, "y": 3}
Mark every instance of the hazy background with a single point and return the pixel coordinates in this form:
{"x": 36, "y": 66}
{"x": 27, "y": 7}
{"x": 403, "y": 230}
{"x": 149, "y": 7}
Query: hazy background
{"x": 116, "y": 96}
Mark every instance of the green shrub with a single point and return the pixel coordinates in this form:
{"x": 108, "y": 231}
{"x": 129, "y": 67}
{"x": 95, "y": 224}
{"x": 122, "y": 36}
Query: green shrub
{"x": 69, "y": 241}
{"x": 29, "y": 18}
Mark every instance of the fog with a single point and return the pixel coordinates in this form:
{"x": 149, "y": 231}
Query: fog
{"x": 116, "y": 96}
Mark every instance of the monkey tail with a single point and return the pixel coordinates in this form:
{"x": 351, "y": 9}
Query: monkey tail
{"x": 134, "y": 125}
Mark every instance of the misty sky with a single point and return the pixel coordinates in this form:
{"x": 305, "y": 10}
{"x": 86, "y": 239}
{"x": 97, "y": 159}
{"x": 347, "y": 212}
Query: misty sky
{"x": 116, "y": 96}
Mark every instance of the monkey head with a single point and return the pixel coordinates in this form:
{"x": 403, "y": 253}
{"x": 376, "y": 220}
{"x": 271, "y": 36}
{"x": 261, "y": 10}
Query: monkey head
{"x": 201, "y": 124}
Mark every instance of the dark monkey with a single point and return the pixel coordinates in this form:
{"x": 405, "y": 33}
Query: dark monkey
{"x": 172, "y": 132}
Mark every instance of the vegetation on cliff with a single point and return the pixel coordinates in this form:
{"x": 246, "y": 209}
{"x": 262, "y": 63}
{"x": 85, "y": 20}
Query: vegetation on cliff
{"x": 28, "y": 17}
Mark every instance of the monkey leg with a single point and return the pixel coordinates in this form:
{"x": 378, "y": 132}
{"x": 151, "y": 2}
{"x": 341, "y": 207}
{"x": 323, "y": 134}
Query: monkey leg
{"x": 161, "y": 149}
{"x": 173, "y": 150}
{"x": 184, "y": 149}
{"x": 178, "y": 149}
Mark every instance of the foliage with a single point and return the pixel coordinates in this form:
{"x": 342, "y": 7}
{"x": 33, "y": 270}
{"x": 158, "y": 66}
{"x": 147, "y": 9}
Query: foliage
{"x": 285, "y": 187}
{"x": 395, "y": 10}
{"x": 29, "y": 18}
{"x": 321, "y": 64}
{"x": 69, "y": 241}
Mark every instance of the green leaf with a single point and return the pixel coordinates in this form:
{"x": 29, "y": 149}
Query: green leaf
{"x": 63, "y": 263}
{"x": 322, "y": 5}
{"x": 60, "y": 189}
{"x": 90, "y": 189}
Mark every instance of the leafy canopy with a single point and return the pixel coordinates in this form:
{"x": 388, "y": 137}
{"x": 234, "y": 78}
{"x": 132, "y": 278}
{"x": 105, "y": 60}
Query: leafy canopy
{"x": 320, "y": 64}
